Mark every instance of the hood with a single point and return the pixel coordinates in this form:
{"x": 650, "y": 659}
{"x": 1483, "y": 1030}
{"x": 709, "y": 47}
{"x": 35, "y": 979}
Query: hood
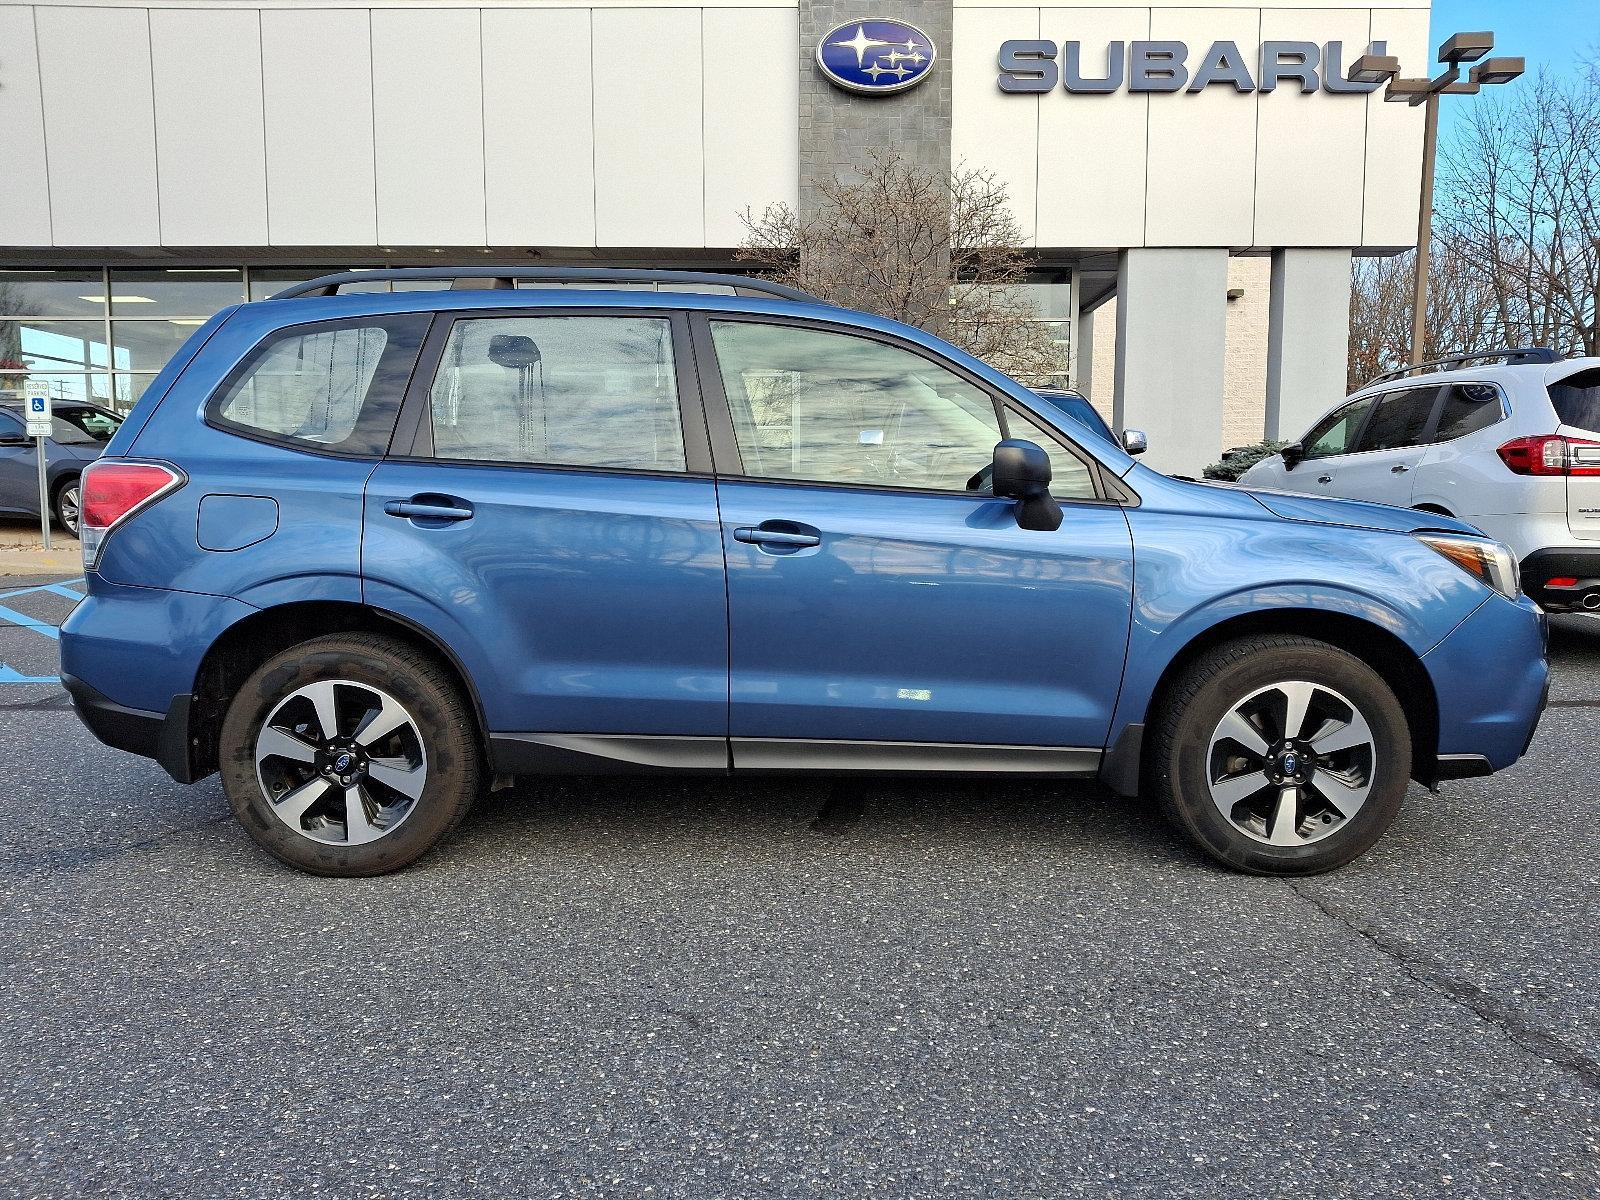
{"x": 1354, "y": 514}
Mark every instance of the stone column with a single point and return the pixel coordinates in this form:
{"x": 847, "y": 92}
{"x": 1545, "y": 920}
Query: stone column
{"x": 1172, "y": 334}
{"x": 1308, "y": 338}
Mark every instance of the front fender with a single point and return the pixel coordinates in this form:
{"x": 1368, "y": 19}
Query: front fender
{"x": 1193, "y": 573}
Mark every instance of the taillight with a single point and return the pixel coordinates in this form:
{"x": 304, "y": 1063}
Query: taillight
{"x": 1551, "y": 454}
{"x": 110, "y": 492}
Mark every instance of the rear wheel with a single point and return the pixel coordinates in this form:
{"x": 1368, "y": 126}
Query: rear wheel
{"x": 349, "y": 755}
{"x": 68, "y": 506}
{"x": 1281, "y": 755}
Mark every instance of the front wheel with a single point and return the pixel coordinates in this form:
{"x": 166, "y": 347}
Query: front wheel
{"x": 1281, "y": 755}
{"x": 349, "y": 755}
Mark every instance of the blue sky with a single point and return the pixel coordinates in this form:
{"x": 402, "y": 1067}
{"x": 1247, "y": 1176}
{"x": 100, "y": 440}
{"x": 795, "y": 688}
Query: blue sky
{"x": 1548, "y": 33}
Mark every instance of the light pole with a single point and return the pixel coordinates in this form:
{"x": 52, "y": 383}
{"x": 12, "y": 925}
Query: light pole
{"x": 1460, "y": 48}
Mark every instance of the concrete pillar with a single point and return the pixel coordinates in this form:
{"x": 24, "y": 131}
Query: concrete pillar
{"x": 1083, "y": 353}
{"x": 1172, "y": 335}
{"x": 1308, "y": 338}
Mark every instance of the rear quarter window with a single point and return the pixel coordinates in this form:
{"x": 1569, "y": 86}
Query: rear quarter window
{"x": 335, "y": 385}
{"x": 1577, "y": 400}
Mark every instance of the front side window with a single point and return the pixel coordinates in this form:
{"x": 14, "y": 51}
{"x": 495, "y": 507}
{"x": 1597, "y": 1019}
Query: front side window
{"x": 1468, "y": 407}
{"x": 1337, "y": 432}
{"x": 1070, "y": 478}
{"x": 828, "y": 407}
{"x": 586, "y": 391}
{"x": 1400, "y": 419}
{"x": 334, "y": 386}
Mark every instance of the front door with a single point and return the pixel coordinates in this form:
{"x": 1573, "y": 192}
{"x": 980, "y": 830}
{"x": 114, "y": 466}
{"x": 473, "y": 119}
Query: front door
{"x": 881, "y": 612}
{"x": 556, "y": 523}
{"x": 1391, "y": 447}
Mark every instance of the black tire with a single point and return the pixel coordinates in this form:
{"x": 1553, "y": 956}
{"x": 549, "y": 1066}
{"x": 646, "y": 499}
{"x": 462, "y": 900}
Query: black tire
{"x": 1180, "y": 762}
{"x": 66, "y": 505}
{"x": 440, "y": 731}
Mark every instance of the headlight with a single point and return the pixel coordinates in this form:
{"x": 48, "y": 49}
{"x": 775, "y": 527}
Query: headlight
{"x": 1489, "y": 561}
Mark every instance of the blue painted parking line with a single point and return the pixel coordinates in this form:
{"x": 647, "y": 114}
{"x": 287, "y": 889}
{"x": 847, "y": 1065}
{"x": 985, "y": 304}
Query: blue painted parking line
{"x": 46, "y": 629}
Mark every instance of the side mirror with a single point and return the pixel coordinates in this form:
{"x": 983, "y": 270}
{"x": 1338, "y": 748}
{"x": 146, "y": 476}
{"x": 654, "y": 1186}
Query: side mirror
{"x": 1135, "y": 441}
{"x": 1293, "y": 455}
{"x": 1021, "y": 472}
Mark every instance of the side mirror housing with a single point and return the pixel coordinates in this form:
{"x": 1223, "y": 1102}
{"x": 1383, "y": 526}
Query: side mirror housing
{"x": 1293, "y": 455}
{"x": 1021, "y": 472}
{"x": 1135, "y": 441}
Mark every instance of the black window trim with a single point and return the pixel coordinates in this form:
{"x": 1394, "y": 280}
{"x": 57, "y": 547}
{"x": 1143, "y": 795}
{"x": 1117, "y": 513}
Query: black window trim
{"x": 413, "y": 440}
{"x": 213, "y": 405}
{"x": 1430, "y": 430}
{"x": 729, "y": 462}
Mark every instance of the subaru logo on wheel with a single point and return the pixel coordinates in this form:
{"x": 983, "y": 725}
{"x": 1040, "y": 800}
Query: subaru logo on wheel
{"x": 875, "y": 57}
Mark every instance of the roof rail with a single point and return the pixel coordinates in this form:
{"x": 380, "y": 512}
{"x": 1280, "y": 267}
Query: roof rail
{"x": 1514, "y": 356}
{"x": 505, "y": 278}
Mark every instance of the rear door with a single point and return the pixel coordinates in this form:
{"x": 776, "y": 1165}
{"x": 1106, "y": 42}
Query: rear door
{"x": 885, "y": 610}
{"x": 1391, "y": 445}
{"x": 1577, "y": 403}
{"x": 554, "y": 520}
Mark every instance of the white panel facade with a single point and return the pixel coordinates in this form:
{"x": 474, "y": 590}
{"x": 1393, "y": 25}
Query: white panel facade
{"x": 752, "y": 140}
{"x": 100, "y": 125}
{"x": 427, "y": 101}
{"x": 1203, "y": 144}
{"x": 1093, "y": 150}
{"x": 538, "y": 134}
{"x": 317, "y": 65}
{"x": 1394, "y": 138}
{"x": 990, "y": 129}
{"x": 649, "y": 158}
{"x": 210, "y": 130}
{"x": 25, "y": 199}
{"x": 1299, "y": 142}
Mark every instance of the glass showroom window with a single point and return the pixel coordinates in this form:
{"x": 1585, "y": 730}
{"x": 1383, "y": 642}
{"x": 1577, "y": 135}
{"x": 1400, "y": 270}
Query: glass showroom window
{"x": 102, "y": 334}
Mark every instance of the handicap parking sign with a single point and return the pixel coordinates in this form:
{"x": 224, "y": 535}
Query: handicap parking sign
{"x": 38, "y": 410}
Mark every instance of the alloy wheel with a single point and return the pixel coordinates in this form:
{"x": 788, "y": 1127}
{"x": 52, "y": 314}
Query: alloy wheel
{"x": 68, "y": 507}
{"x": 1291, "y": 763}
{"x": 341, "y": 762}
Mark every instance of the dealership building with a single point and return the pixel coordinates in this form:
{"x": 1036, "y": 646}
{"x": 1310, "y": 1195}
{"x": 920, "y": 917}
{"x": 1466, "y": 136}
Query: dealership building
{"x": 1193, "y": 180}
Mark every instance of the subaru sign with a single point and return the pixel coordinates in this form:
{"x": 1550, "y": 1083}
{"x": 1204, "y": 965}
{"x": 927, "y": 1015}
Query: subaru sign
{"x": 1034, "y": 65}
{"x": 876, "y": 57}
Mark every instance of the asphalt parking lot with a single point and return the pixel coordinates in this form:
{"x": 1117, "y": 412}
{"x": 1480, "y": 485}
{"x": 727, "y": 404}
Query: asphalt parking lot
{"x": 707, "y": 989}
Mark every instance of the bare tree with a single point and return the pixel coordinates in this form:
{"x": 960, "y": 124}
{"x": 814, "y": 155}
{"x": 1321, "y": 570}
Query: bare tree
{"x": 941, "y": 253}
{"x": 1461, "y": 310}
{"x": 1521, "y": 205}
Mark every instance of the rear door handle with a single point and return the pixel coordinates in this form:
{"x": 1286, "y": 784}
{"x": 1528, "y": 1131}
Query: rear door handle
{"x": 1400, "y": 468}
{"x": 756, "y": 536}
{"x": 422, "y": 511}
{"x": 1324, "y": 478}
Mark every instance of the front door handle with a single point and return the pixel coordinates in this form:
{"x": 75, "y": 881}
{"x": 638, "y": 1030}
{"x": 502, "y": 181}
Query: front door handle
{"x": 758, "y": 536}
{"x": 1400, "y": 468}
{"x": 419, "y": 510}
{"x": 1324, "y": 478}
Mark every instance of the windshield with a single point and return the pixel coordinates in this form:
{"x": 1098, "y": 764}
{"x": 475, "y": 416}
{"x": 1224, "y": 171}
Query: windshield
{"x": 1577, "y": 399}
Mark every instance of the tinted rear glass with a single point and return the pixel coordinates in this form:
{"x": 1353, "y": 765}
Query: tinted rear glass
{"x": 1400, "y": 419}
{"x": 1468, "y": 407}
{"x": 1577, "y": 399}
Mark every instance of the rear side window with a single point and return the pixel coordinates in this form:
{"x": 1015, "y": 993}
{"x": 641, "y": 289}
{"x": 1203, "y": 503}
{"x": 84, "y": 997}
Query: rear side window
{"x": 333, "y": 386}
{"x": 584, "y": 391}
{"x": 1337, "y": 432}
{"x": 1400, "y": 419}
{"x": 1577, "y": 400}
{"x": 1468, "y": 407}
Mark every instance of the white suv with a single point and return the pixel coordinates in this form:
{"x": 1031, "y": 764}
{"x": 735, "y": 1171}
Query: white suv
{"x": 1507, "y": 441}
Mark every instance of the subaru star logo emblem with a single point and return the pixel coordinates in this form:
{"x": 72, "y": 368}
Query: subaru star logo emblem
{"x": 342, "y": 763}
{"x": 876, "y": 57}
{"x": 1291, "y": 763}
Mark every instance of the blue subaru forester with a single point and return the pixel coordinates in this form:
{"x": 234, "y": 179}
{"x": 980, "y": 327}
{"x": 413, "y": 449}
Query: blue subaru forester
{"x": 364, "y": 553}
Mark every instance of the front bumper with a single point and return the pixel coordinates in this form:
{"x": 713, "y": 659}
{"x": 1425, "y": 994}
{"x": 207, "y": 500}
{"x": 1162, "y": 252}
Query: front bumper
{"x": 161, "y": 736}
{"x": 1578, "y": 563}
{"x": 1492, "y": 683}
